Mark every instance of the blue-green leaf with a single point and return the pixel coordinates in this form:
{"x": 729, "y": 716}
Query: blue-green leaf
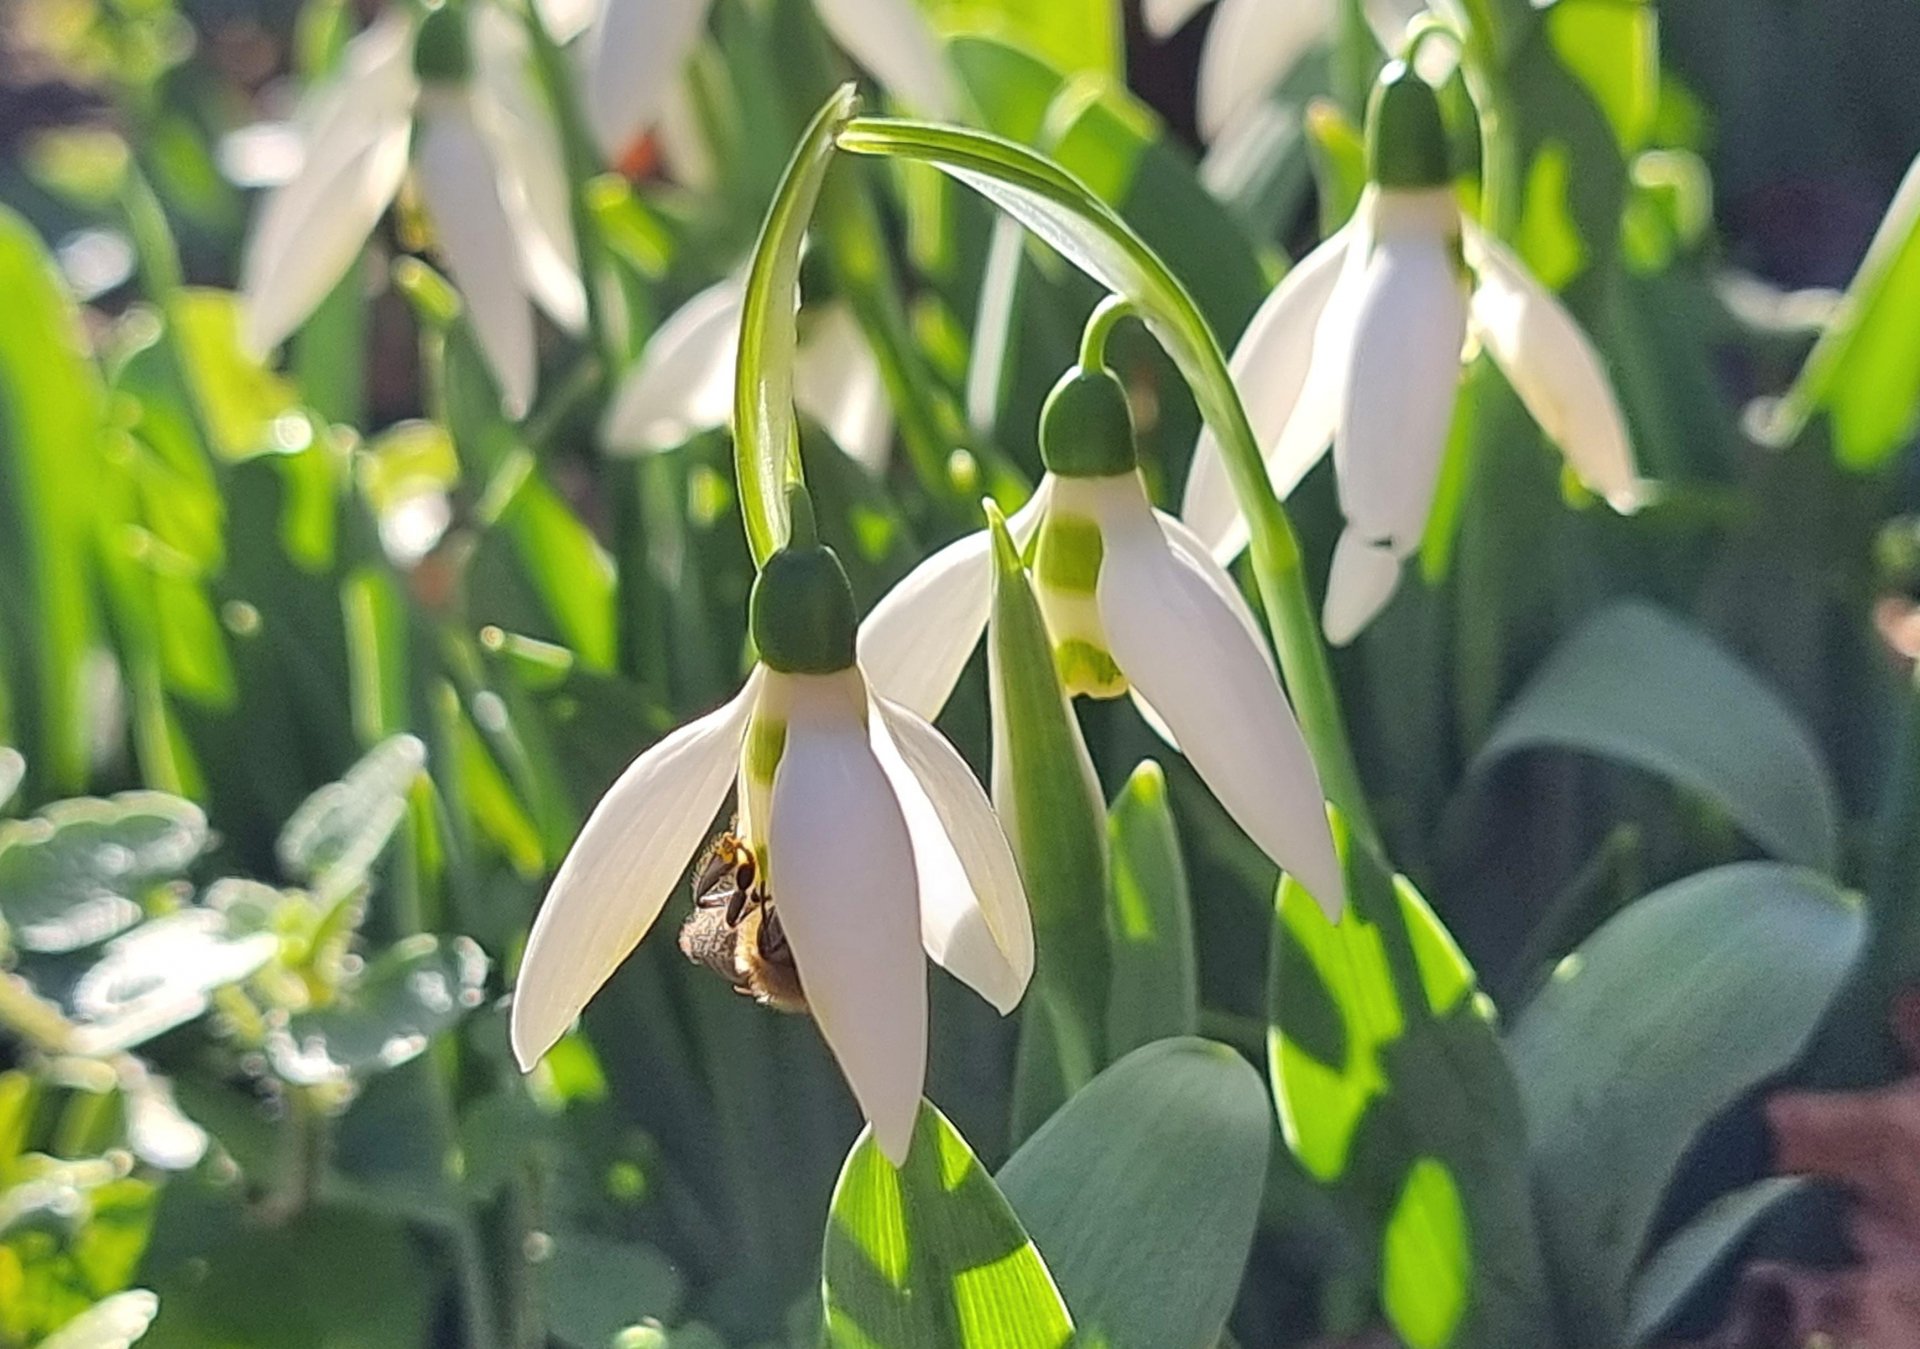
{"x": 1143, "y": 1193}
{"x": 1637, "y": 685}
{"x": 931, "y": 1255}
{"x": 1155, "y": 990}
{"x": 1676, "y": 1007}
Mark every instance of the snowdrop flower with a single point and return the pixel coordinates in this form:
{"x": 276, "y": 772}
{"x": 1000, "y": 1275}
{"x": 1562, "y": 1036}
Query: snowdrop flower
{"x": 636, "y": 50}
{"x": 1134, "y": 603}
{"x": 872, "y": 840}
{"x": 1254, "y": 44}
{"x": 1361, "y": 345}
{"x": 684, "y": 381}
{"x": 448, "y": 94}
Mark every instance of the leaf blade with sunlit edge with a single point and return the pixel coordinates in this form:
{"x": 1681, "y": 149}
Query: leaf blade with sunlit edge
{"x": 931, "y": 1255}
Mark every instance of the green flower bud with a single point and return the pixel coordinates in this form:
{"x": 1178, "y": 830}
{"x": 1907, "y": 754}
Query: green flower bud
{"x": 801, "y": 612}
{"x": 1086, "y": 429}
{"x": 442, "y": 53}
{"x": 1406, "y": 138}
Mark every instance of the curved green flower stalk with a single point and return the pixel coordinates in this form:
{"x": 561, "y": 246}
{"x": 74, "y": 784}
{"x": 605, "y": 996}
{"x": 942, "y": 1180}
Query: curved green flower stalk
{"x": 1086, "y": 231}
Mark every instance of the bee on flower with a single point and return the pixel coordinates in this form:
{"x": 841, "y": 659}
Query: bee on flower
{"x": 1361, "y": 347}
{"x": 860, "y": 831}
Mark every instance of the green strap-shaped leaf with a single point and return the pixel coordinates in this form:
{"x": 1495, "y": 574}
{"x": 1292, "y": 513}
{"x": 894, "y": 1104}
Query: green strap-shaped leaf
{"x": 1664, "y": 1017}
{"x": 1637, "y": 685}
{"x": 931, "y": 1255}
{"x": 1392, "y": 1088}
{"x": 1864, "y": 372}
{"x": 1694, "y": 1253}
{"x": 765, "y": 455}
{"x": 1143, "y": 1193}
{"x": 1155, "y": 990}
{"x": 51, "y": 412}
{"x": 1049, "y": 801}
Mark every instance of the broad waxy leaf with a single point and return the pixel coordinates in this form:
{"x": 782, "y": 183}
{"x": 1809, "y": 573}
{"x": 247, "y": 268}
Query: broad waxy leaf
{"x": 1143, "y": 1192}
{"x": 338, "y": 833}
{"x": 1663, "y": 1018}
{"x": 931, "y": 1255}
{"x": 1392, "y": 1087}
{"x": 1864, "y": 372}
{"x": 1692, "y": 1255}
{"x": 592, "y": 1286}
{"x": 1155, "y": 989}
{"x": 1637, "y": 685}
{"x": 75, "y": 874}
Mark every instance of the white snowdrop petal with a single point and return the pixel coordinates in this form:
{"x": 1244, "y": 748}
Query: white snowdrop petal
{"x": 309, "y": 231}
{"x": 683, "y": 383}
{"x": 635, "y": 55}
{"x": 894, "y": 42}
{"x": 532, "y": 168}
{"x": 621, "y": 870}
{"x": 1192, "y": 660}
{"x": 1362, "y": 579}
{"x": 1250, "y": 48}
{"x": 1553, "y": 366}
{"x": 681, "y": 143}
{"x": 1403, "y": 377}
{"x": 462, "y": 194}
{"x": 1292, "y": 424}
{"x": 844, "y": 880}
{"x": 916, "y": 641}
{"x": 837, "y": 382}
{"x": 1188, "y": 546}
{"x": 567, "y": 19}
{"x": 974, "y": 920}
{"x": 1164, "y": 18}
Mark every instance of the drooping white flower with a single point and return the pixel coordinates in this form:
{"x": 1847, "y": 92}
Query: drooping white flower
{"x": 872, "y": 839}
{"x": 683, "y": 383}
{"x": 1361, "y": 346}
{"x": 1133, "y": 602}
{"x": 450, "y": 95}
{"x": 1254, "y": 44}
{"x": 636, "y": 49}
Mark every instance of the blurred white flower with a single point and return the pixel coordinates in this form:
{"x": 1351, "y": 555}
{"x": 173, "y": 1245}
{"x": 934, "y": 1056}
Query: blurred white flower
{"x": 1254, "y": 44}
{"x": 449, "y": 94}
{"x": 1133, "y": 603}
{"x": 635, "y": 51}
{"x": 872, "y": 841}
{"x": 683, "y": 383}
{"x": 1361, "y": 345}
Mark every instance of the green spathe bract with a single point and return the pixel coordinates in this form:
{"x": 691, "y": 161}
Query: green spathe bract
{"x": 1086, "y": 430}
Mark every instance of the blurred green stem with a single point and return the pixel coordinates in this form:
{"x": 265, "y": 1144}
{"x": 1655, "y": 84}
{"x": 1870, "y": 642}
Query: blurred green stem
{"x": 1500, "y": 151}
